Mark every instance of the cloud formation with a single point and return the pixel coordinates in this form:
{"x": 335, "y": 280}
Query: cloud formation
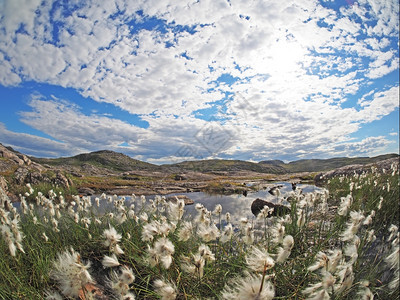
{"x": 269, "y": 79}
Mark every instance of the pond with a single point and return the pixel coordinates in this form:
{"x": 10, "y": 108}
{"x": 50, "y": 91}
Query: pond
{"x": 239, "y": 205}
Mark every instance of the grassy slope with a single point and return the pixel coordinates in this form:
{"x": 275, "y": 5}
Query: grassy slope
{"x": 120, "y": 162}
{"x": 26, "y": 276}
{"x": 319, "y": 165}
{"x": 106, "y": 159}
{"x": 221, "y": 165}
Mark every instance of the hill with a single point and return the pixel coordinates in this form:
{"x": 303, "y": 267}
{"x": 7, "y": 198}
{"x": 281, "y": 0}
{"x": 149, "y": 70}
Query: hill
{"x": 223, "y": 165}
{"x": 105, "y": 170}
{"x": 103, "y": 159}
{"x": 321, "y": 165}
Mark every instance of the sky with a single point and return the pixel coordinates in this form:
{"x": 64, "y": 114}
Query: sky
{"x": 172, "y": 80}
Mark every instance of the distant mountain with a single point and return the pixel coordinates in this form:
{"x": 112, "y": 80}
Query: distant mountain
{"x": 114, "y": 161}
{"x": 99, "y": 171}
{"x": 101, "y": 159}
{"x": 223, "y": 165}
{"x": 274, "y": 162}
{"x": 320, "y": 165}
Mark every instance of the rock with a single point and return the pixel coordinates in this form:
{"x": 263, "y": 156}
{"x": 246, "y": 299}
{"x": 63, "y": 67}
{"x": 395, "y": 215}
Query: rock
{"x": 279, "y": 210}
{"x": 185, "y": 198}
{"x": 61, "y": 180}
{"x": 18, "y": 158}
{"x": 35, "y": 177}
{"x": 86, "y": 191}
{"x": 351, "y": 170}
{"x": 3, "y": 198}
{"x": 20, "y": 175}
{"x": 179, "y": 177}
{"x": 275, "y": 190}
{"x": 3, "y": 184}
{"x": 76, "y": 174}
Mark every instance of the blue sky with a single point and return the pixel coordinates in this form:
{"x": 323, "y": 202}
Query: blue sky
{"x": 168, "y": 81}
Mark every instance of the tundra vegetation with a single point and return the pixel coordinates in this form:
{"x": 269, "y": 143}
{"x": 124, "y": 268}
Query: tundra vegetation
{"x": 339, "y": 243}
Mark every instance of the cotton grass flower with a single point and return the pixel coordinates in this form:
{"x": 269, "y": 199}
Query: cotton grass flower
{"x": 320, "y": 262}
{"x": 392, "y": 259}
{"x": 71, "y": 274}
{"x": 278, "y": 232}
{"x": 217, "y": 210}
{"x": 393, "y": 229}
{"x": 118, "y": 287}
{"x": 249, "y": 287}
{"x": 301, "y": 218}
{"x": 149, "y": 230}
{"x": 371, "y": 236}
{"x": 284, "y": 252}
{"x": 365, "y": 293}
{"x": 9, "y": 239}
{"x": 321, "y": 289}
{"x": 126, "y": 275}
{"x": 227, "y": 234}
{"x": 205, "y": 252}
{"x": 351, "y": 250}
{"x": 110, "y": 261}
{"x": 345, "y": 203}
{"x": 176, "y": 210}
{"x": 380, "y": 202}
{"x": 319, "y": 295}
{"x": 248, "y": 237}
{"x": 208, "y": 233}
{"x": 352, "y": 227}
{"x": 346, "y": 278}
{"x": 193, "y": 265}
{"x": 166, "y": 290}
{"x": 259, "y": 260}
{"x": 186, "y": 231}
{"x": 368, "y": 219}
{"x": 228, "y": 217}
{"x": 334, "y": 259}
{"x": 112, "y": 238}
{"x": 164, "y": 249}
{"x": 45, "y": 237}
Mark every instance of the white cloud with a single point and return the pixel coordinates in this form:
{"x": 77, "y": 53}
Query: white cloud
{"x": 17, "y": 13}
{"x": 296, "y": 64}
{"x": 382, "y": 104}
{"x": 370, "y": 146}
{"x": 34, "y": 145}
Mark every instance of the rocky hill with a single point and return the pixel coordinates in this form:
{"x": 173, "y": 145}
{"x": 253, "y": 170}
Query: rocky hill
{"x": 228, "y": 166}
{"x": 321, "y": 165}
{"x": 111, "y": 172}
{"x": 16, "y": 170}
{"x": 99, "y": 162}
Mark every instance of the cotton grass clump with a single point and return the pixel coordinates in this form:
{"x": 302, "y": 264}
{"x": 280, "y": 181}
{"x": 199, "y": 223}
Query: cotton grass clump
{"x": 339, "y": 243}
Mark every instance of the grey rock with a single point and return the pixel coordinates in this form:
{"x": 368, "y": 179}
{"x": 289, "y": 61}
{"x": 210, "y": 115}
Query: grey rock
{"x": 259, "y": 204}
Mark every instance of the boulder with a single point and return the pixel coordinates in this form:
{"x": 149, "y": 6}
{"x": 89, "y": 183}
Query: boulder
{"x": 185, "y": 198}
{"x": 279, "y": 210}
{"x": 351, "y": 170}
{"x": 85, "y": 191}
{"x": 18, "y": 158}
{"x": 179, "y": 177}
{"x": 61, "y": 180}
{"x": 3, "y": 184}
{"x": 20, "y": 175}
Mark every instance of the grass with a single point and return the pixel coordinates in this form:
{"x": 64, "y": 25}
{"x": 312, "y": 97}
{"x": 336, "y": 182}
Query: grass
{"x": 51, "y": 226}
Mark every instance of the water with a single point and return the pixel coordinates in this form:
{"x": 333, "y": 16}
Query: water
{"x": 239, "y": 205}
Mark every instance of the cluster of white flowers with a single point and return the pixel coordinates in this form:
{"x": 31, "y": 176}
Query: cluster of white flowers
{"x": 205, "y": 239}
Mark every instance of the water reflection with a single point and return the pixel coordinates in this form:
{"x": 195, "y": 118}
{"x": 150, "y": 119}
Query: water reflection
{"x": 239, "y": 205}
